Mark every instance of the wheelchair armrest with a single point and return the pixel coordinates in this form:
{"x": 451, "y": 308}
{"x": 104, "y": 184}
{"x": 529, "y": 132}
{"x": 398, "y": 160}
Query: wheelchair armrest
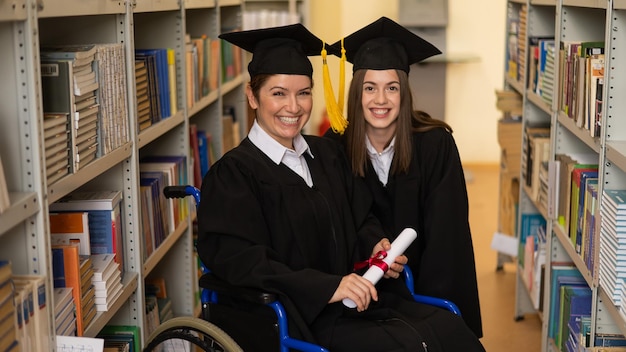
{"x": 212, "y": 283}
{"x": 433, "y": 301}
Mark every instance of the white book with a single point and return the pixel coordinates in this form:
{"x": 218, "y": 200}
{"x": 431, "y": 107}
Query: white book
{"x": 103, "y": 266}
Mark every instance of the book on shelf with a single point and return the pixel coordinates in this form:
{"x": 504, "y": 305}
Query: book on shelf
{"x": 104, "y": 210}
{"x": 5, "y": 202}
{"x": 58, "y": 97}
{"x": 204, "y": 151}
{"x": 158, "y": 57}
{"x": 171, "y": 73}
{"x": 151, "y": 184}
{"x": 129, "y": 333}
{"x": 568, "y": 163}
{"x": 590, "y": 238}
{"x": 214, "y": 63}
{"x": 57, "y": 146}
{"x": 70, "y": 227}
{"x": 576, "y": 301}
{"x": 148, "y": 221}
{"x": 36, "y": 291}
{"x": 64, "y": 314}
{"x": 562, "y": 275}
{"x": 111, "y": 67}
{"x": 195, "y": 154}
{"x": 68, "y": 255}
{"x": 144, "y": 114}
{"x": 8, "y": 311}
{"x": 174, "y": 171}
{"x": 80, "y": 53}
{"x": 586, "y": 180}
{"x": 579, "y": 175}
{"x": 156, "y": 113}
{"x": 106, "y": 281}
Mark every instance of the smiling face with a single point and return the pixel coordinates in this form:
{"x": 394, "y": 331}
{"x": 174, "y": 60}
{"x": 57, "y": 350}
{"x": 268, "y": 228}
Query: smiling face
{"x": 283, "y": 106}
{"x": 381, "y": 99}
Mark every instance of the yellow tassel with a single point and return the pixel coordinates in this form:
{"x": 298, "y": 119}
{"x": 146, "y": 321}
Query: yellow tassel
{"x": 334, "y": 108}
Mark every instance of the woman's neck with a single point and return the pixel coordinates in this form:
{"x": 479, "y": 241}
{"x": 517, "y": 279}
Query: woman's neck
{"x": 380, "y": 138}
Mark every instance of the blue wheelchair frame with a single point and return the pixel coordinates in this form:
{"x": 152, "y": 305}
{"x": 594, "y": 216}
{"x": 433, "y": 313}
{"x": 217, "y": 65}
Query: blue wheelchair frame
{"x": 211, "y": 286}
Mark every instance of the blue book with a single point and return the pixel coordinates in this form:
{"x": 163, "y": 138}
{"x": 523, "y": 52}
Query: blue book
{"x": 561, "y": 275}
{"x": 576, "y": 303}
{"x": 58, "y": 267}
{"x": 586, "y": 179}
{"x": 203, "y": 151}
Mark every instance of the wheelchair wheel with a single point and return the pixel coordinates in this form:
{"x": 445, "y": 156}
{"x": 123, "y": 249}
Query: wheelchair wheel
{"x": 190, "y": 334}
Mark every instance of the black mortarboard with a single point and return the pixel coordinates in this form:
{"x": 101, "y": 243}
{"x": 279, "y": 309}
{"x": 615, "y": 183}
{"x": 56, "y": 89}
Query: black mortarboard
{"x": 384, "y": 44}
{"x": 278, "y": 50}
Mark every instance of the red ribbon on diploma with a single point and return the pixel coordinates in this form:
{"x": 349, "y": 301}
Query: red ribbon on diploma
{"x": 376, "y": 260}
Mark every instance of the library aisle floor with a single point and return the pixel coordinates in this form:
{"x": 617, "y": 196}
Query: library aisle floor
{"x": 496, "y": 288}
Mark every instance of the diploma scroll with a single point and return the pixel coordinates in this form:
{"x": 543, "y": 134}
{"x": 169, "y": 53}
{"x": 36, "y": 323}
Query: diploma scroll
{"x": 398, "y": 246}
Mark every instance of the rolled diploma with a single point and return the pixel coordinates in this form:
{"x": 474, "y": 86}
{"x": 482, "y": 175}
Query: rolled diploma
{"x": 398, "y": 246}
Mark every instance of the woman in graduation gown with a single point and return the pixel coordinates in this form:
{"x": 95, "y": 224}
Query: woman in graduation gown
{"x": 410, "y": 163}
{"x": 278, "y": 213}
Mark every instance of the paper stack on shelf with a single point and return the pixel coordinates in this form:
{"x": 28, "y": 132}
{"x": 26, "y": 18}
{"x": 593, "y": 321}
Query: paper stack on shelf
{"x": 107, "y": 280}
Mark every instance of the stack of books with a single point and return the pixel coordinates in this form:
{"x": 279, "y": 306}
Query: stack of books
{"x": 112, "y": 96}
{"x": 104, "y": 210}
{"x": 88, "y": 292}
{"x": 8, "y": 333}
{"x": 57, "y": 145}
{"x": 107, "y": 280}
{"x": 144, "y": 112}
{"x": 613, "y": 245}
{"x": 64, "y": 312}
{"x": 70, "y": 85}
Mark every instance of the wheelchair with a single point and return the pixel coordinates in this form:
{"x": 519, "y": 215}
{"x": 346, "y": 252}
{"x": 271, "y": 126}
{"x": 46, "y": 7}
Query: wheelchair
{"x": 223, "y": 328}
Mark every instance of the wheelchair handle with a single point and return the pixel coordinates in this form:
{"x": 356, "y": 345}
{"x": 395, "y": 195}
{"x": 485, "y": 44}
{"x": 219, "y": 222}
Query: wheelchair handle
{"x": 182, "y": 192}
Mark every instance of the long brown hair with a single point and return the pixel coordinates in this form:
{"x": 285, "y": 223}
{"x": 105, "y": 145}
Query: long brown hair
{"x": 409, "y": 121}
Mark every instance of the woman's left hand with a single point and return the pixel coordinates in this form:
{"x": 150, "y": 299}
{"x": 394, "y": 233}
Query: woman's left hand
{"x": 396, "y": 268}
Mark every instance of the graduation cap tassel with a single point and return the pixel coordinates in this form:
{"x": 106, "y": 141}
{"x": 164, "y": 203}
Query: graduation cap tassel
{"x": 334, "y": 108}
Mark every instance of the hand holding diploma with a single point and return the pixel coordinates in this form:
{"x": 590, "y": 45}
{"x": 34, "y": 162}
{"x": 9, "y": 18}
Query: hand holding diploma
{"x": 383, "y": 260}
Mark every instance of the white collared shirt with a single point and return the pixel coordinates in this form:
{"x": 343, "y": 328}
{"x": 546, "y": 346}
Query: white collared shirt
{"x": 294, "y": 159}
{"x": 381, "y": 161}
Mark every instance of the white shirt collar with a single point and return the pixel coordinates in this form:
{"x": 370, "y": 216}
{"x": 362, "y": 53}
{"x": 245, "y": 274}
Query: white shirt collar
{"x": 272, "y": 148}
{"x": 381, "y": 161}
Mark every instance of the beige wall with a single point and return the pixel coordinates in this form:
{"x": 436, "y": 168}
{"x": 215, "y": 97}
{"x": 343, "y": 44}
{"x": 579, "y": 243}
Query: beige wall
{"x": 470, "y": 86}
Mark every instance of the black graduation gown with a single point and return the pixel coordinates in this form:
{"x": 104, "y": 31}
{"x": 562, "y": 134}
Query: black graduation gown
{"x": 432, "y": 199}
{"x": 261, "y": 226}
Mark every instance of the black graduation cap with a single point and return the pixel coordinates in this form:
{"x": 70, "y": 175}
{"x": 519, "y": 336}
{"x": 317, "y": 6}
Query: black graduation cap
{"x": 384, "y": 44}
{"x": 278, "y": 50}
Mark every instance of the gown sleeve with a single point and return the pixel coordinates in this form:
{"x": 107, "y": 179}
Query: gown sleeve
{"x": 447, "y": 267}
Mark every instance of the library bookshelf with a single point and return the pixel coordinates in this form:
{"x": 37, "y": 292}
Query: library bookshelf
{"x": 27, "y": 27}
{"x": 552, "y": 53}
